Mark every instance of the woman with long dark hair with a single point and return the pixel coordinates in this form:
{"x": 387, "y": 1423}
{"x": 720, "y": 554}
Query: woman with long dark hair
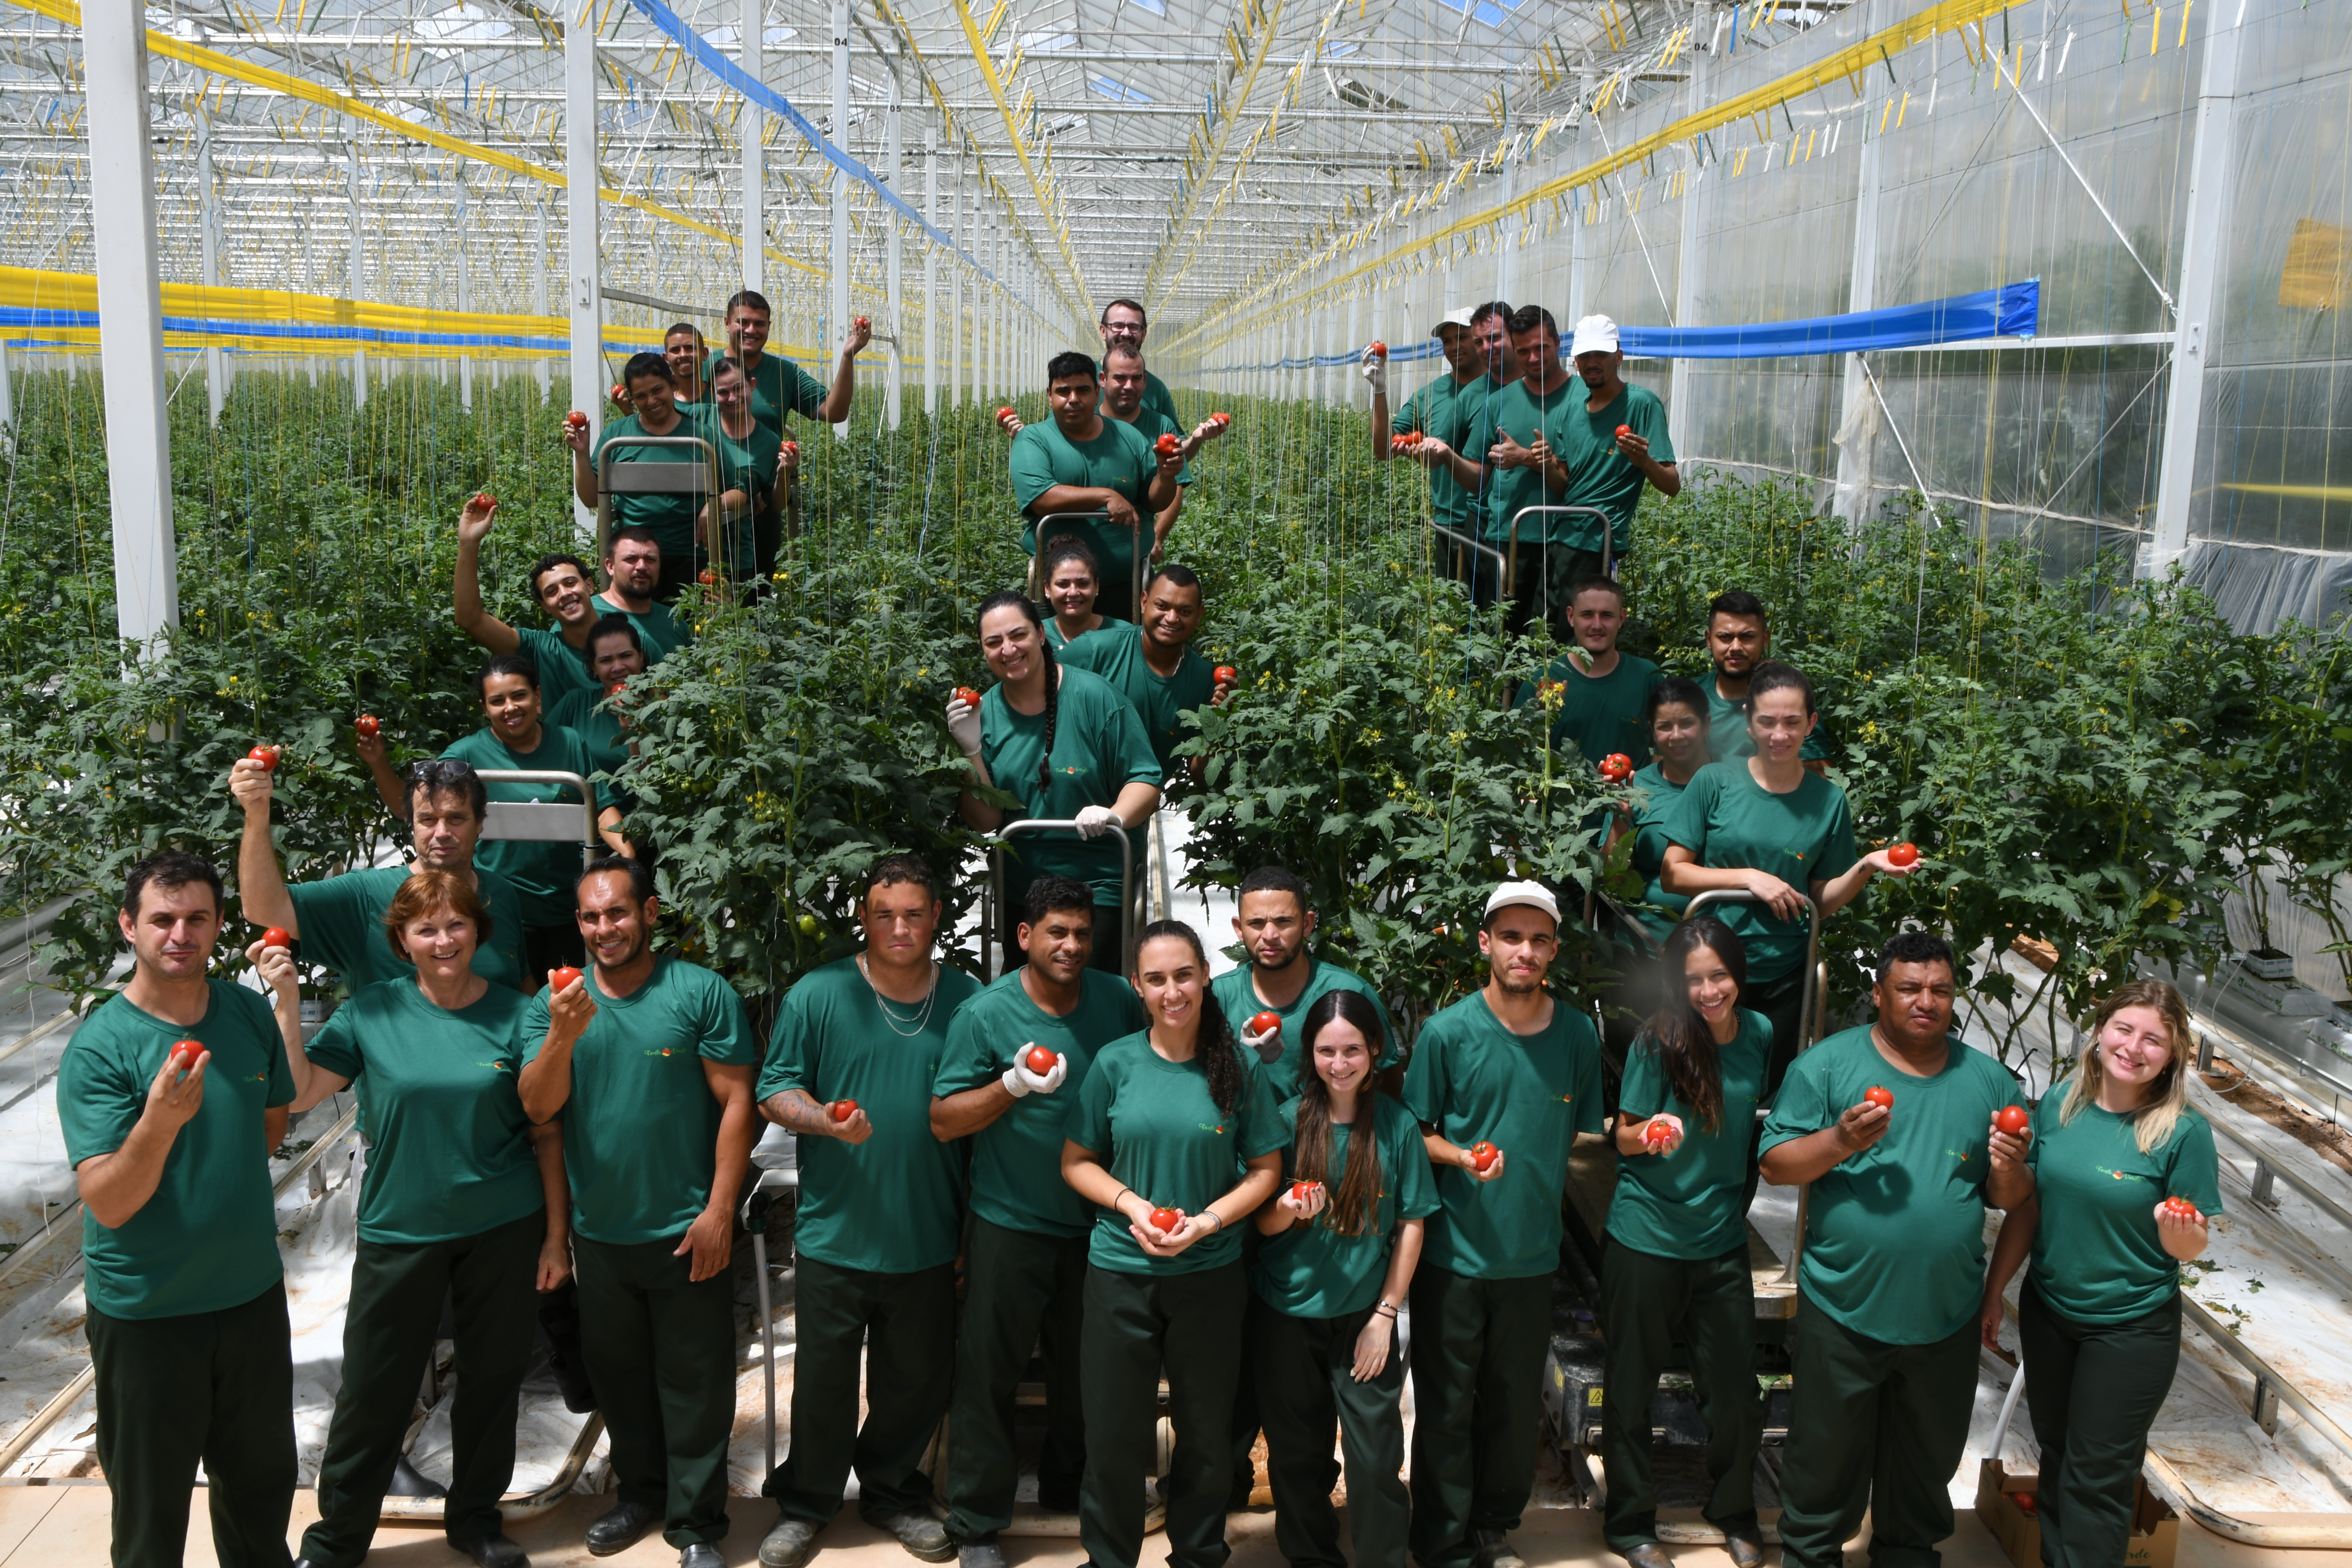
{"x": 1164, "y": 1120}
{"x": 1676, "y": 1268}
{"x": 2126, "y": 1184}
{"x": 1071, "y": 747}
{"x": 1341, "y": 1240}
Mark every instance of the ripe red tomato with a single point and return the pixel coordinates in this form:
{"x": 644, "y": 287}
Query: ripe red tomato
{"x": 1409, "y": 438}
{"x": 1004, "y": 413}
{"x": 1166, "y": 444}
{"x": 967, "y": 696}
{"x": 1484, "y": 1155}
{"x": 1264, "y": 1021}
{"x": 1165, "y": 1220}
{"x": 561, "y": 979}
{"x": 842, "y": 1110}
{"x": 575, "y": 420}
{"x": 2011, "y": 1120}
{"x": 1624, "y": 430}
{"x": 1380, "y": 351}
{"x": 791, "y": 449}
{"x": 709, "y": 578}
{"x": 1656, "y": 1130}
{"x": 1903, "y": 855}
{"x": 1040, "y": 1061}
{"x": 1299, "y": 1190}
{"x": 368, "y": 726}
{"x": 619, "y": 393}
{"x": 2181, "y": 1209}
{"x": 1882, "y": 1098}
{"x": 1222, "y": 417}
{"x": 268, "y": 756}
{"x": 1224, "y": 675}
{"x": 485, "y": 501}
{"x": 277, "y": 936}
{"x": 862, "y": 321}
{"x": 185, "y": 1054}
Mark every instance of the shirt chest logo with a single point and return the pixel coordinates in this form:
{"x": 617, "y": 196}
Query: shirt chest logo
{"x": 2118, "y": 1175}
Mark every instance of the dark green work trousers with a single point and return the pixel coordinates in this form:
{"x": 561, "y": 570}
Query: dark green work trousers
{"x": 661, "y": 1352}
{"x": 1135, "y": 1324}
{"x": 388, "y": 1331}
{"x": 1478, "y": 1393}
{"x": 1305, "y": 1369}
{"x": 212, "y": 1387}
{"x": 1782, "y": 1003}
{"x": 1872, "y": 1425}
{"x": 1246, "y": 1419}
{"x": 1020, "y": 1291}
{"x": 905, "y": 1325}
{"x": 1647, "y": 1302}
{"x": 2094, "y": 1391}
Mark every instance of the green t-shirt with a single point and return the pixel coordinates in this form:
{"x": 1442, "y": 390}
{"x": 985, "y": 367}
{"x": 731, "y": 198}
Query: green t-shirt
{"x": 1311, "y": 1270}
{"x": 1119, "y": 460}
{"x": 1598, "y": 715}
{"x": 1650, "y": 849}
{"x": 1727, "y": 728}
{"x": 1598, "y": 474}
{"x": 1116, "y": 653}
{"x": 1437, "y": 409}
{"x": 661, "y": 633}
{"x": 341, "y": 922}
{"x": 1016, "y": 1160}
{"x": 778, "y": 386}
{"x": 544, "y": 873}
{"x": 1726, "y": 820}
{"x": 670, "y": 517}
{"x": 1690, "y": 1203}
{"x": 1529, "y": 1095}
{"x": 449, "y": 1147}
{"x": 599, "y": 728}
{"x": 1058, "y": 642}
{"x": 207, "y": 1240}
{"x": 748, "y": 465}
{"x": 563, "y": 668}
{"x": 893, "y": 1204}
{"x": 1168, "y": 1142}
{"x": 1237, "y": 993}
{"x": 2096, "y": 1256}
{"x": 1894, "y": 1234}
{"x": 1099, "y": 748}
{"x": 641, "y": 1129}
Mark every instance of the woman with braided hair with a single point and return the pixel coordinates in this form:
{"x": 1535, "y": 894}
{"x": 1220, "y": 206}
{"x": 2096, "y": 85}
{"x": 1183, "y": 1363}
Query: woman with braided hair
{"x": 1163, "y": 1121}
{"x": 1071, "y": 748}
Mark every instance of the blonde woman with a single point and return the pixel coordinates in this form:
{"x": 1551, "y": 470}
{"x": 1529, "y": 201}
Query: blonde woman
{"x": 2125, "y": 1182}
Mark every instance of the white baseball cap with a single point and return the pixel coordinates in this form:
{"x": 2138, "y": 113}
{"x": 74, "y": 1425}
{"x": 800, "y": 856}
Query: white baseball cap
{"x": 1534, "y": 895}
{"x": 1594, "y": 334}
{"x": 1460, "y": 318}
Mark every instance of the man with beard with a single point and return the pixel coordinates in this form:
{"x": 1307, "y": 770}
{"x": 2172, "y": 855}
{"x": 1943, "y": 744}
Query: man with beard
{"x": 633, "y": 569}
{"x": 1501, "y": 1082}
{"x": 1079, "y": 461}
{"x": 1125, "y": 391}
{"x": 1738, "y": 639}
{"x": 1123, "y": 325}
{"x": 1153, "y": 664}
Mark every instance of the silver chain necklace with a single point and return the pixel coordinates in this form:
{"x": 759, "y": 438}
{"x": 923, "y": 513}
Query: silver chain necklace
{"x": 921, "y": 1018}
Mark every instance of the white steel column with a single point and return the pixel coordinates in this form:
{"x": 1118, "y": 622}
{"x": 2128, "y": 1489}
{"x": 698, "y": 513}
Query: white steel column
{"x": 1857, "y": 449}
{"x": 357, "y": 271}
{"x": 931, "y": 273}
{"x": 8, "y": 402}
{"x": 208, "y": 234}
{"x": 464, "y": 299}
{"x": 583, "y": 288}
{"x": 838, "y": 319}
{"x": 1687, "y": 263}
{"x": 892, "y": 310}
{"x": 748, "y": 126}
{"x": 130, "y": 312}
{"x": 538, "y": 295}
{"x": 2207, "y": 209}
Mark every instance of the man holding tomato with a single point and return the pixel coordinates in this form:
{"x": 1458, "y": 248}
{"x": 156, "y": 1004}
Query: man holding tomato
{"x": 633, "y": 569}
{"x": 1896, "y": 1127}
{"x": 653, "y": 412}
{"x": 851, "y": 1065}
{"x": 1605, "y": 693}
{"x": 559, "y": 583}
{"x": 171, "y": 1096}
{"x": 1080, "y": 461}
{"x": 649, "y": 1062}
{"x": 1153, "y": 664}
{"x": 778, "y": 386}
{"x": 1502, "y": 1082}
{"x": 1124, "y": 384}
{"x": 1026, "y": 1250}
{"x": 339, "y": 919}
{"x": 1442, "y": 410}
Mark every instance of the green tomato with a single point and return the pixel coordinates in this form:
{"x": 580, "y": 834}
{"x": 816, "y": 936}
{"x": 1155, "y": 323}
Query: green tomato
{"x": 808, "y": 924}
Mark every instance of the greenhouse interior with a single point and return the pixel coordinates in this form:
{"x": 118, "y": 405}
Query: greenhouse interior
{"x": 1687, "y": 576}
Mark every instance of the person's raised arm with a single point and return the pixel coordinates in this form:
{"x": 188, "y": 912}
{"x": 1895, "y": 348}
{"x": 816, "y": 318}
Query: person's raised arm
{"x": 843, "y": 390}
{"x": 711, "y": 1238}
{"x": 390, "y": 787}
{"x": 1814, "y": 1155}
{"x": 608, "y": 828}
{"x": 473, "y": 619}
{"x": 260, "y": 882}
{"x": 1664, "y": 475}
{"x": 311, "y": 1084}
{"x": 545, "y": 1081}
{"x": 1375, "y": 369}
{"x": 115, "y": 1186}
{"x": 961, "y": 1114}
{"x": 964, "y": 725}
{"x": 2008, "y": 1180}
{"x": 1164, "y": 492}
{"x": 582, "y": 442}
{"x": 1839, "y": 892}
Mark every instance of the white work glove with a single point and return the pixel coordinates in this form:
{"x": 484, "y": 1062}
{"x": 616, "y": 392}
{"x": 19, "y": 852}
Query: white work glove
{"x": 1268, "y": 1046}
{"x": 963, "y": 723}
{"x": 1094, "y": 821}
{"x": 1376, "y": 372}
{"x": 1018, "y": 1081}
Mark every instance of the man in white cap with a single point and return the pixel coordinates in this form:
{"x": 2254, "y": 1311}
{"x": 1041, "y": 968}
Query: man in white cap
{"x": 1501, "y": 1082}
{"x": 1444, "y": 408}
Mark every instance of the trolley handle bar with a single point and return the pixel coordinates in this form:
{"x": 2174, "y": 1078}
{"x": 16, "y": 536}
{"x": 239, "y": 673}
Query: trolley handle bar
{"x": 589, "y": 837}
{"x": 1004, "y": 835}
{"x": 1135, "y": 549}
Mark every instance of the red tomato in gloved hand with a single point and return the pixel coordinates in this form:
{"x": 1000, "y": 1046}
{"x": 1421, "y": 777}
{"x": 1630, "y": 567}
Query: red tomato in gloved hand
{"x": 967, "y": 696}
{"x": 1882, "y": 1098}
{"x": 1264, "y": 1021}
{"x": 1165, "y": 1220}
{"x": 842, "y": 1110}
{"x": 561, "y": 979}
{"x": 1484, "y": 1155}
{"x": 1903, "y": 855}
{"x": 1380, "y": 351}
{"x": 2011, "y": 1120}
{"x": 1041, "y": 1060}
